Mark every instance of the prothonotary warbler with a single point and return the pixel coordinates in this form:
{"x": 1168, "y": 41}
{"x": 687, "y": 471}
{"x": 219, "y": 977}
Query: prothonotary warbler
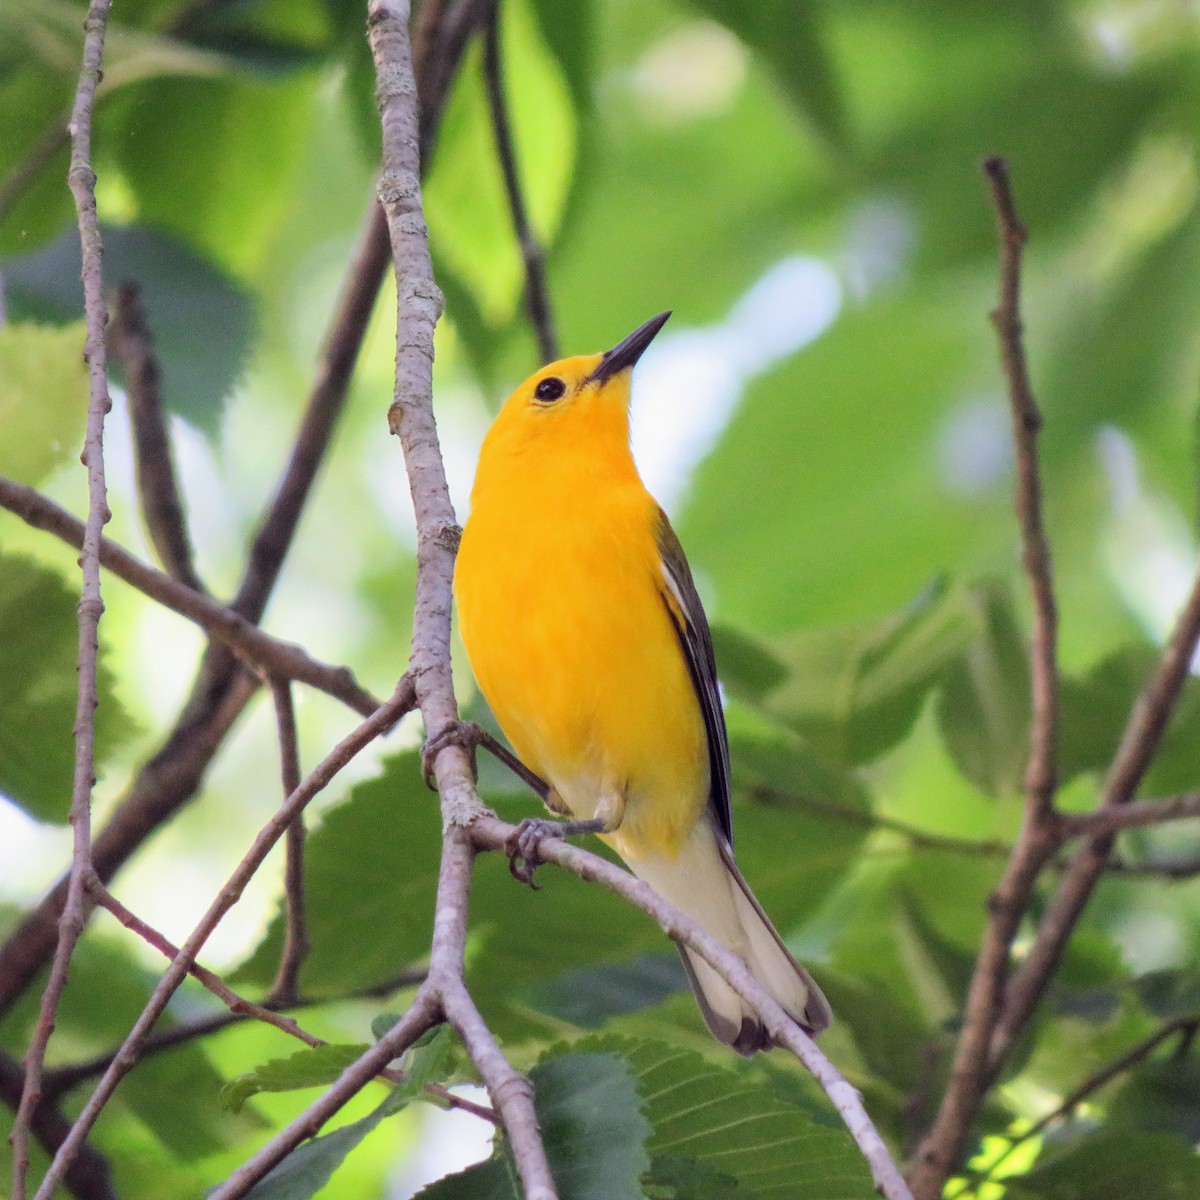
{"x": 587, "y": 637}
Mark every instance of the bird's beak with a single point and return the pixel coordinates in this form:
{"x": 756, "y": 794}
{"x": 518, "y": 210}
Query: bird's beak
{"x": 625, "y": 353}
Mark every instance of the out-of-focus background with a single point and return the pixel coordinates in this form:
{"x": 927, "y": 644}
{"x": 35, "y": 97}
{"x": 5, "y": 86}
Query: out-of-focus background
{"x": 823, "y": 417}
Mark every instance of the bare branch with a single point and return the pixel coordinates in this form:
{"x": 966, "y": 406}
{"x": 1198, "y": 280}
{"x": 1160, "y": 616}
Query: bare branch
{"x": 271, "y": 654}
{"x": 1106, "y": 821}
{"x": 537, "y": 291}
{"x": 386, "y": 716}
{"x": 210, "y": 979}
{"x": 1040, "y": 778}
{"x": 1038, "y": 840}
{"x": 65, "y": 1078}
{"x": 89, "y": 1177}
{"x": 296, "y": 943}
{"x": 82, "y": 181}
{"x": 162, "y": 508}
{"x": 1139, "y": 742}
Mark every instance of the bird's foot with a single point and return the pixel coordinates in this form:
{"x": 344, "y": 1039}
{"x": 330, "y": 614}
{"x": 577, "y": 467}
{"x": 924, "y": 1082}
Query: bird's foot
{"x": 471, "y": 736}
{"x": 522, "y": 844}
{"x": 466, "y": 734}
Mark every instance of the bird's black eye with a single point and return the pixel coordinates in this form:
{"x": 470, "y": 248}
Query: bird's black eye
{"x": 550, "y": 389}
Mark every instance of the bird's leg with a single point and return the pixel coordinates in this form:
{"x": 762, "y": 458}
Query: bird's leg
{"x": 471, "y": 736}
{"x": 522, "y": 844}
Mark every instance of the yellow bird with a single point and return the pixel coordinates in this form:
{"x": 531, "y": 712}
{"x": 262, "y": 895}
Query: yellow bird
{"x": 587, "y": 637}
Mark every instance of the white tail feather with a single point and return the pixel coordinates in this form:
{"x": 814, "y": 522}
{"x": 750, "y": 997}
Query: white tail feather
{"x": 703, "y": 882}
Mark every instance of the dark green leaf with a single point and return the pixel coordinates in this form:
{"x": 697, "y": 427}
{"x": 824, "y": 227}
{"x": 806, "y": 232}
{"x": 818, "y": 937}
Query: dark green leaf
{"x": 314, "y": 1067}
{"x": 746, "y": 667}
{"x": 789, "y": 35}
{"x": 189, "y": 303}
{"x": 983, "y": 706}
{"x": 588, "y": 1111}
{"x": 591, "y": 995}
{"x": 311, "y": 1166}
{"x": 1160, "y": 1097}
{"x": 741, "y": 1131}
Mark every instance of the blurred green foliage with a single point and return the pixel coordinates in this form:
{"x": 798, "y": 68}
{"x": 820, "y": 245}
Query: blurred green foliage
{"x": 848, "y": 518}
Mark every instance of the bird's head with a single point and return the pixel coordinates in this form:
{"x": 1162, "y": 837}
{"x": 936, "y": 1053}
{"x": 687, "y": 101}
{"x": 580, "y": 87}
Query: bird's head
{"x": 572, "y": 384}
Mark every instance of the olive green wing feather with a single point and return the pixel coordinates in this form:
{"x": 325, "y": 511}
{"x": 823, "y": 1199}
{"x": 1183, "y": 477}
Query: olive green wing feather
{"x": 691, "y": 626}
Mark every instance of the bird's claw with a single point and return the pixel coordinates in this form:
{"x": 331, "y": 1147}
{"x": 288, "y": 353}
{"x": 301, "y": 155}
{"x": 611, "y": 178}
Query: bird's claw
{"x": 466, "y": 734}
{"x": 522, "y": 846}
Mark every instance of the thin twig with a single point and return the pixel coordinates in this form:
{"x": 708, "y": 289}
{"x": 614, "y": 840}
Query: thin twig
{"x": 296, "y": 944}
{"x": 271, "y": 654}
{"x": 1140, "y": 740}
{"x": 1038, "y": 840}
{"x": 537, "y": 291}
{"x": 162, "y": 508}
{"x": 89, "y": 1177}
{"x": 209, "y": 979}
{"x": 1186, "y": 1025}
{"x": 1184, "y": 807}
{"x": 387, "y": 715}
{"x": 65, "y": 1078}
{"x": 82, "y": 181}
{"x": 1040, "y": 777}
{"x": 422, "y": 1015}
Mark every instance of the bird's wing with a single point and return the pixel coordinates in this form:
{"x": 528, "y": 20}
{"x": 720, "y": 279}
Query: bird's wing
{"x": 691, "y": 626}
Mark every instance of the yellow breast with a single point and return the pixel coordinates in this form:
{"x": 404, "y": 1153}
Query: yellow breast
{"x": 560, "y": 601}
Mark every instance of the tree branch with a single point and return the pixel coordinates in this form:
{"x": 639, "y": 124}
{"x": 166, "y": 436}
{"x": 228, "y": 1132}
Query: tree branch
{"x": 162, "y": 509}
{"x": 386, "y": 716}
{"x": 82, "y": 181}
{"x": 296, "y": 944}
{"x": 209, "y": 979}
{"x": 1040, "y": 778}
{"x": 1038, "y": 840}
{"x": 1109, "y": 821}
{"x": 1185, "y": 1025}
{"x": 537, "y": 291}
{"x": 89, "y": 1177}
{"x": 1141, "y": 739}
{"x": 65, "y": 1078}
{"x": 271, "y": 654}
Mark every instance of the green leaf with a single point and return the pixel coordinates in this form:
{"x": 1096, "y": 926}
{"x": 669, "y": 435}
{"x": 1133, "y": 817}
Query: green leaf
{"x": 1117, "y": 1167}
{"x": 311, "y": 1166}
{"x": 38, "y": 683}
{"x": 855, "y": 690}
{"x": 740, "y": 1130}
{"x": 984, "y": 706}
{"x": 588, "y": 1110}
{"x": 224, "y": 206}
{"x": 591, "y": 995}
{"x": 314, "y": 1067}
{"x": 189, "y": 302}
{"x": 43, "y": 397}
{"x": 789, "y": 35}
{"x": 1096, "y": 708}
{"x": 370, "y": 875}
{"x": 747, "y": 668}
{"x": 677, "y": 1177}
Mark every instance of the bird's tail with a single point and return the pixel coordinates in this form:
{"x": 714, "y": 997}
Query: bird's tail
{"x": 703, "y": 882}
